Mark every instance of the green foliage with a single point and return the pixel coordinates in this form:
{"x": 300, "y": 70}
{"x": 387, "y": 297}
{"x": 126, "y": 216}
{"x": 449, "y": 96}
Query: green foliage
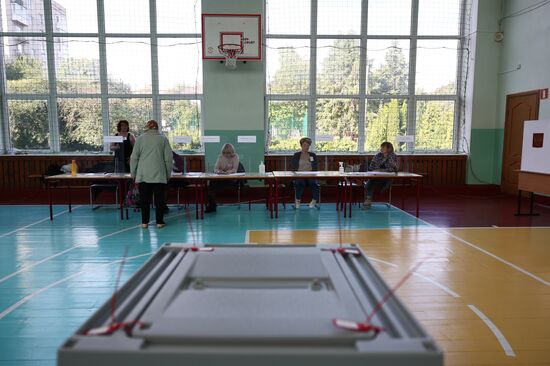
{"x": 434, "y": 130}
{"x": 29, "y": 124}
{"x": 293, "y": 76}
{"x": 137, "y": 111}
{"x": 181, "y": 118}
{"x": 80, "y": 125}
{"x": 391, "y": 77}
{"x": 339, "y": 118}
{"x": 339, "y": 73}
{"x": 386, "y": 121}
{"x": 26, "y": 75}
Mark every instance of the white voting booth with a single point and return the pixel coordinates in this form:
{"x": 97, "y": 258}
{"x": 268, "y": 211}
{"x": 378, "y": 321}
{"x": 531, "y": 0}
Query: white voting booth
{"x": 535, "y": 155}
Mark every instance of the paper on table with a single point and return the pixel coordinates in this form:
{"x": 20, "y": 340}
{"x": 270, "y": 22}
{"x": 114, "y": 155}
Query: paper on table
{"x": 380, "y": 173}
{"x": 236, "y": 174}
{"x": 306, "y": 173}
{"x": 193, "y": 174}
{"x": 176, "y": 173}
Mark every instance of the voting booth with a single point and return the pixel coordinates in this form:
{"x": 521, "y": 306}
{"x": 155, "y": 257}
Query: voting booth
{"x": 535, "y": 152}
{"x": 534, "y": 174}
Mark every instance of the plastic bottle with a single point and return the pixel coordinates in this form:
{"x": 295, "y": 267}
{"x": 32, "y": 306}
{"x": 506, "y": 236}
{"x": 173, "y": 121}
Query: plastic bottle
{"x": 261, "y": 169}
{"x": 341, "y": 167}
{"x": 73, "y": 168}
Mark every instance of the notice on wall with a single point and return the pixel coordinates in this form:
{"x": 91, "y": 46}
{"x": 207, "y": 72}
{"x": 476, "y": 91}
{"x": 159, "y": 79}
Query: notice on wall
{"x": 324, "y": 138}
{"x": 207, "y": 139}
{"x": 404, "y": 138}
{"x": 246, "y": 139}
{"x": 112, "y": 139}
{"x": 182, "y": 139}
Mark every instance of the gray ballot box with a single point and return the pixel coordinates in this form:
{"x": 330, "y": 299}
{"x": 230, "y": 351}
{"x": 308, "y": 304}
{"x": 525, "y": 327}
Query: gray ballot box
{"x": 247, "y": 305}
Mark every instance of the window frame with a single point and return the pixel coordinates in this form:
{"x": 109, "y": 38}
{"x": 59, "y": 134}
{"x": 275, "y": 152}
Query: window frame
{"x": 53, "y": 95}
{"x": 363, "y": 95}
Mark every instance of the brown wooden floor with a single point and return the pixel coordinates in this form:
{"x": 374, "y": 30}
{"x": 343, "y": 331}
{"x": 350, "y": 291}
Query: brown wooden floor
{"x": 503, "y": 273}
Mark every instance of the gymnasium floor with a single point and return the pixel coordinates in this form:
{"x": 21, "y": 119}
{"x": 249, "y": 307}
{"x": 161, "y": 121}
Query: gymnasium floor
{"x": 482, "y": 293}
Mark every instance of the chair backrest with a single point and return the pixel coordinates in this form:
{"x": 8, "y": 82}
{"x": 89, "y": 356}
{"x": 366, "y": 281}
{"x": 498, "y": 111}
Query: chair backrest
{"x": 240, "y": 168}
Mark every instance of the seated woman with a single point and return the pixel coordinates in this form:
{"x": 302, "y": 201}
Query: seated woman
{"x": 227, "y": 163}
{"x": 384, "y": 161}
{"x": 305, "y": 160}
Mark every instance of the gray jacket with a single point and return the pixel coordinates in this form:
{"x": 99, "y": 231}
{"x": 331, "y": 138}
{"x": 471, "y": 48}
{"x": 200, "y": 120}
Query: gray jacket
{"x": 151, "y": 160}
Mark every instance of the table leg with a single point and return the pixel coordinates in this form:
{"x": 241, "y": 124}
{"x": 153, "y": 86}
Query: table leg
{"x": 270, "y": 198}
{"x": 403, "y": 194}
{"x": 531, "y": 203}
{"x": 197, "y": 201}
{"x": 345, "y": 198}
{"x": 69, "y": 189}
{"x": 350, "y": 197}
{"x": 338, "y": 193}
{"x": 203, "y": 189}
{"x": 417, "y": 198}
{"x": 276, "y": 199}
{"x": 120, "y": 195}
{"x": 48, "y": 186}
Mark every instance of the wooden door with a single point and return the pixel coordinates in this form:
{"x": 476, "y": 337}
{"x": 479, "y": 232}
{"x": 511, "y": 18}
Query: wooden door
{"x": 519, "y": 108}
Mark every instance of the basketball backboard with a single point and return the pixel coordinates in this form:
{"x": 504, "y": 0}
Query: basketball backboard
{"x": 233, "y": 30}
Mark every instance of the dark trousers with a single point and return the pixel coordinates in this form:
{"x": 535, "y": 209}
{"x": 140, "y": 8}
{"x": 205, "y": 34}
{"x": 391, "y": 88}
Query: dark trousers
{"x": 146, "y": 192}
{"x": 214, "y": 186}
{"x": 300, "y": 184}
{"x": 373, "y": 184}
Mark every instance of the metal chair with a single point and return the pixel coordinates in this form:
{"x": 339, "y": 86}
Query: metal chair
{"x": 102, "y": 186}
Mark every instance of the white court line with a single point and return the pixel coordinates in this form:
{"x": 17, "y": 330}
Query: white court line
{"x": 494, "y": 256}
{"x": 500, "y": 227}
{"x": 498, "y": 334}
{"x": 25, "y": 268}
{"x": 41, "y": 290}
{"x": 37, "y": 222}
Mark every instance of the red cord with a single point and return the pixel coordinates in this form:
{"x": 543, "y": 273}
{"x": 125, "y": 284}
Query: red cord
{"x": 115, "y": 293}
{"x": 392, "y": 291}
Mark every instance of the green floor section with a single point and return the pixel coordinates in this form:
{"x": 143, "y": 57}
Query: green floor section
{"x": 55, "y": 274}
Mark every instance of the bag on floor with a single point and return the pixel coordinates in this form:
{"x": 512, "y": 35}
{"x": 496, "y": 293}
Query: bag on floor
{"x": 132, "y": 197}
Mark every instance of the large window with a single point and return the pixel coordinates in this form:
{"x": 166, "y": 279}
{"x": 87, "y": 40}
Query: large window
{"x": 365, "y": 72}
{"x": 72, "y": 72}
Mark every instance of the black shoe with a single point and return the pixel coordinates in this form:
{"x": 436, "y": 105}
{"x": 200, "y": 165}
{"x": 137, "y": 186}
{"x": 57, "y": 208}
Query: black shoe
{"x": 210, "y": 209}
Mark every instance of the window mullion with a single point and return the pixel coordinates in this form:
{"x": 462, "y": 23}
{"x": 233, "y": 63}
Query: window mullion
{"x": 53, "y": 120}
{"x": 411, "y": 108}
{"x": 103, "y": 76}
{"x": 312, "y": 99}
{"x": 154, "y": 60}
{"x": 362, "y": 123}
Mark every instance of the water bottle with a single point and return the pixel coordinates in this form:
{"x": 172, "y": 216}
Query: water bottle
{"x": 73, "y": 168}
{"x": 341, "y": 167}
{"x": 261, "y": 169}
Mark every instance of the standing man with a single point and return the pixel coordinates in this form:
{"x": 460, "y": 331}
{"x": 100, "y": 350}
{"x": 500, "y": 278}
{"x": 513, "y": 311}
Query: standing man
{"x": 151, "y": 167}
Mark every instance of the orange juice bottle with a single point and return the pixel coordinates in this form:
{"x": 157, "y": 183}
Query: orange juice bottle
{"x": 73, "y": 168}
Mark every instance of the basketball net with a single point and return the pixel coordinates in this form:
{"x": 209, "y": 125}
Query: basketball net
{"x": 231, "y": 52}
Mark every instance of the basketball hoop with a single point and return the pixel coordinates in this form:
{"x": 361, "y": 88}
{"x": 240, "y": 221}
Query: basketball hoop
{"x": 231, "y": 51}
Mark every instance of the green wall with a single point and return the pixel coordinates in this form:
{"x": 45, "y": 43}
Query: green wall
{"x": 248, "y": 152}
{"x": 526, "y": 43}
{"x": 483, "y": 97}
{"x": 233, "y": 101}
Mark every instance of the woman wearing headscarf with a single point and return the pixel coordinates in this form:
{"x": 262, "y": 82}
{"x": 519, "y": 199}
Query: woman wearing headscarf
{"x": 227, "y": 163}
{"x": 151, "y": 167}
